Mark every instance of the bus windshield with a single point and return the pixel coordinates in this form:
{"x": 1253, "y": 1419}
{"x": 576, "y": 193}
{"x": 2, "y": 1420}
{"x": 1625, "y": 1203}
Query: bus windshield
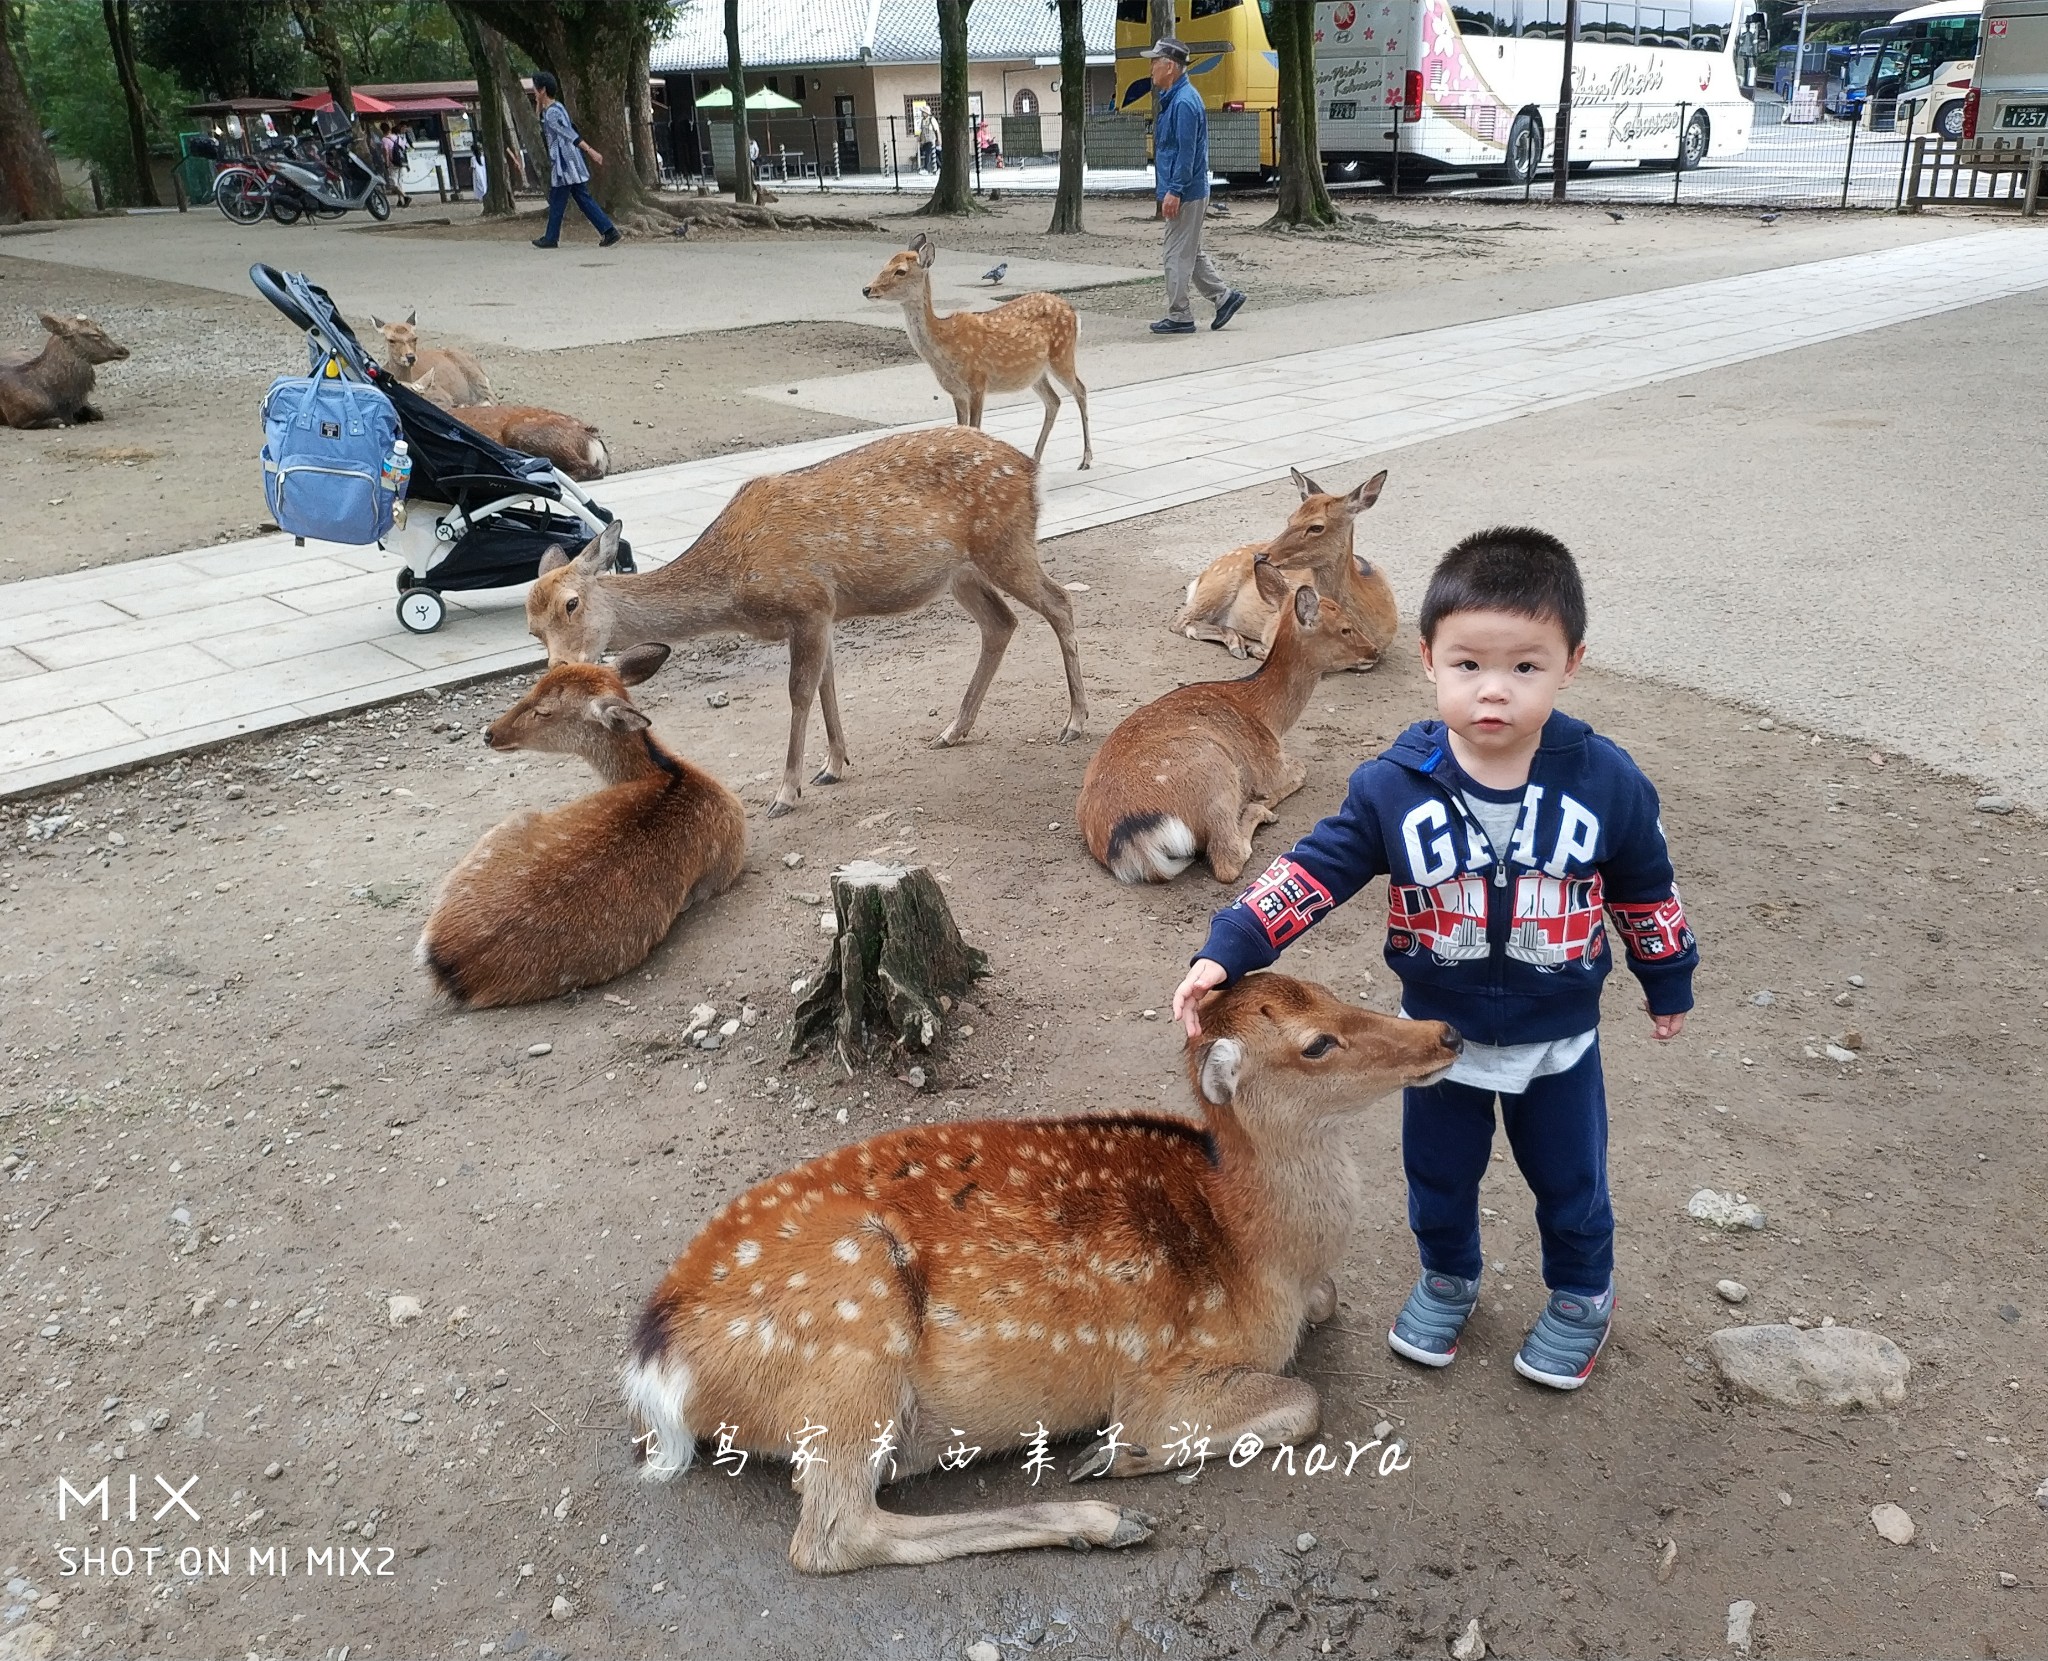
{"x": 1908, "y": 54}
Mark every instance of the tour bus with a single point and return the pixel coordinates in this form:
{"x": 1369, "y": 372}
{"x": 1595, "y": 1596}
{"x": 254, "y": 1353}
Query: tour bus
{"x": 2009, "y": 96}
{"x": 1473, "y": 86}
{"x": 1230, "y": 63}
{"x": 1925, "y": 58}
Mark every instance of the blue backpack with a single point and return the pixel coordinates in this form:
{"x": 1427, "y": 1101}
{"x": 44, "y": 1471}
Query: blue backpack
{"x": 324, "y": 442}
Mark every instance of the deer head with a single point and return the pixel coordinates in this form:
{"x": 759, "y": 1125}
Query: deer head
{"x": 1319, "y": 633}
{"x": 401, "y": 340}
{"x": 86, "y": 338}
{"x": 1321, "y": 526}
{"x": 579, "y": 709}
{"x": 566, "y": 610}
{"x": 903, "y": 276}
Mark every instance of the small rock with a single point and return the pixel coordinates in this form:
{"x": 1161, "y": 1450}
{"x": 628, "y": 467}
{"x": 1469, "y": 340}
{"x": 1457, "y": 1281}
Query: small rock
{"x": 1994, "y": 804}
{"x": 1732, "y": 1290}
{"x": 2008, "y": 1312}
{"x": 1843, "y": 1000}
{"x": 1305, "y": 1542}
{"x": 195, "y": 1427}
{"x": 748, "y": 1015}
{"x": 1838, "y": 1367}
{"x": 1382, "y": 1430}
{"x": 234, "y": 792}
{"x": 916, "y": 1078}
{"x": 402, "y": 1309}
{"x": 1856, "y": 981}
{"x": 729, "y": 1028}
{"x": 561, "y": 1609}
{"x": 701, "y": 1017}
{"x": 982, "y": 1650}
{"x": 1764, "y": 999}
{"x": 1667, "y": 1560}
{"x": 1741, "y": 1625}
{"x": 828, "y": 923}
{"x": 717, "y": 700}
{"x": 1766, "y": 724}
{"x": 49, "y": 1603}
{"x": 1723, "y": 1210}
{"x": 2007, "y": 1579}
{"x": 1851, "y": 1040}
{"x": 1892, "y": 1524}
{"x": 273, "y": 1470}
{"x": 1836, "y": 1053}
{"x": 792, "y": 860}
{"x": 805, "y": 896}
{"x": 1469, "y": 1645}
{"x": 514, "y": 1642}
{"x": 540, "y": 1049}
{"x": 1151, "y": 1014}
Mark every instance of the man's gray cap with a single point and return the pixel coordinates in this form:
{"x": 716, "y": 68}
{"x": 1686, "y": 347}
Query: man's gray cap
{"x": 1167, "y": 47}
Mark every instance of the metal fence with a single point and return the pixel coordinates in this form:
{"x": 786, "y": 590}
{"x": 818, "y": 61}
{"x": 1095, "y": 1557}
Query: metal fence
{"x": 842, "y": 152}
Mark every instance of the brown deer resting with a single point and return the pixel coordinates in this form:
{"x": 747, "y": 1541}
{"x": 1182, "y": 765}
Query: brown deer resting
{"x": 878, "y": 531}
{"x": 50, "y": 388}
{"x": 460, "y": 376}
{"x": 570, "y": 444}
{"x": 1027, "y": 341}
{"x": 1202, "y": 768}
{"x": 1223, "y": 604}
{"x": 979, "y": 1282}
{"x": 573, "y": 896}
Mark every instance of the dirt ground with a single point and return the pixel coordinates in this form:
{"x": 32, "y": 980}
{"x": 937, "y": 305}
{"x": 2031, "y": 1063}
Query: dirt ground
{"x": 236, "y": 1126}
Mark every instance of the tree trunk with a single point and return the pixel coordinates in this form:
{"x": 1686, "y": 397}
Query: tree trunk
{"x": 1304, "y": 198}
{"x": 121, "y": 36}
{"x": 1161, "y": 18}
{"x": 490, "y": 109}
{"x": 317, "y": 28}
{"x": 1561, "y": 144}
{"x": 895, "y": 969}
{"x": 518, "y": 106}
{"x": 954, "y": 191}
{"x": 1066, "y": 205}
{"x": 29, "y": 186}
{"x": 640, "y": 90}
{"x": 736, "y": 82}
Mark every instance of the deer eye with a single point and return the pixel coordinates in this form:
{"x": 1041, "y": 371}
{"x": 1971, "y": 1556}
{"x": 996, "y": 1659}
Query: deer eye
{"x": 1317, "y": 1047}
{"x": 571, "y": 604}
{"x": 1315, "y": 530}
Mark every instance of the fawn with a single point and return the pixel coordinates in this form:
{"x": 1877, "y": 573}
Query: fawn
{"x": 1026, "y": 341}
{"x": 1223, "y": 604}
{"x": 877, "y": 531}
{"x": 572, "y": 896}
{"x": 459, "y": 376}
{"x": 1112, "y": 1275}
{"x": 1202, "y": 768}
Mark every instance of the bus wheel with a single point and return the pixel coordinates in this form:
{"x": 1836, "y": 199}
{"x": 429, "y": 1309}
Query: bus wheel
{"x": 1698, "y": 134}
{"x": 1524, "y": 148}
{"x": 1949, "y": 120}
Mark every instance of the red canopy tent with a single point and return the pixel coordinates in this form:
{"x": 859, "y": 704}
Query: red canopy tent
{"x": 365, "y": 104}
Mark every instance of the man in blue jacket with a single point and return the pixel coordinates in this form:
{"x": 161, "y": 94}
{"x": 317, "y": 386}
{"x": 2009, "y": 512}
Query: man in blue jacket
{"x": 1180, "y": 167}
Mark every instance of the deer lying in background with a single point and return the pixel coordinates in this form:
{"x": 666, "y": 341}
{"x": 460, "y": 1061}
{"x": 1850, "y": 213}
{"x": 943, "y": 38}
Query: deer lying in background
{"x": 981, "y": 1282}
{"x": 1224, "y": 604}
{"x": 1027, "y": 341}
{"x": 878, "y": 531}
{"x": 573, "y": 896}
{"x": 572, "y": 445}
{"x": 50, "y": 389}
{"x": 1201, "y": 769}
{"x": 460, "y": 377}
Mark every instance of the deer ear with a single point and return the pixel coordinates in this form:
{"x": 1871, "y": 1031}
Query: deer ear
{"x": 412, "y": 317}
{"x": 553, "y": 559}
{"x": 618, "y": 714}
{"x": 1221, "y": 1065}
{"x": 376, "y": 322}
{"x": 56, "y": 325}
{"x": 1271, "y": 585}
{"x": 1369, "y": 492}
{"x": 926, "y": 252}
{"x": 1307, "y": 604}
{"x": 601, "y": 552}
{"x": 635, "y": 666}
{"x": 1363, "y": 564}
{"x": 1303, "y": 483}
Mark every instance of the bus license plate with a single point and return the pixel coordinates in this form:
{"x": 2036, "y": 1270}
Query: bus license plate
{"x": 1344, "y": 109}
{"x": 2026, "y": 115}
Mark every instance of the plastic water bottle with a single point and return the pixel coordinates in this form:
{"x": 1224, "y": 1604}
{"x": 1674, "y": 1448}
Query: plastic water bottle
{"x": 398, "y": 470}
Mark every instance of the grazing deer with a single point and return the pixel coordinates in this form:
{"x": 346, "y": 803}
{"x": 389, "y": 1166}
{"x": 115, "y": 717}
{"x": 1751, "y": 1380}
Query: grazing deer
{"x": 50, "y": 388}
{"x": 1026, "y": 341}
{"x": 1202, "y": 768}
{"x": 878, "y": 531}
{"x": 1111, "y": 1275}
{"x": 460, "y": 376}
{"x": 550, "y": 901}
{"x": 1223, "y": 603}
{"x": 570, "y": 444}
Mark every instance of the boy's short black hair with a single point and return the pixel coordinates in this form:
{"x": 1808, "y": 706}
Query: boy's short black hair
{"x": 1510, "y": 568}
{"x": 544, "y": 82}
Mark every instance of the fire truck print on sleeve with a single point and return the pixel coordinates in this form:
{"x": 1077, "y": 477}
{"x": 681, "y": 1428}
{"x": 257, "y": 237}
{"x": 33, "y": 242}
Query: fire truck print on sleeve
{"x": 1286, "y": 900}
{"x": 1654, "y": 932}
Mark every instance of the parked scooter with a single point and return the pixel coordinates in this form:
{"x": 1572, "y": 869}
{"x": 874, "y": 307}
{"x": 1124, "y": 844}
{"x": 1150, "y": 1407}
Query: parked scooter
{"x": 329, "y": 185}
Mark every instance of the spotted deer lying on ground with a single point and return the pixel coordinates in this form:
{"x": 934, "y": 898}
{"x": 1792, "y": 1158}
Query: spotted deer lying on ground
{"x": 880, "y": 530}
{"x": 460, "y": 377}
{"x": 1111, "y": 1275}
{"x": 1223, "y": 604}
{"x": 50, "y": 388}
{"x": 1026, "y": 341}
{"x": 577, "y": 895}
{"x": 1201, "y": 769}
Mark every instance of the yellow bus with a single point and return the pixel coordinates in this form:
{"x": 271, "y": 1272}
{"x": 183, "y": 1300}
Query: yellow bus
{"x": 1230, "y": 63}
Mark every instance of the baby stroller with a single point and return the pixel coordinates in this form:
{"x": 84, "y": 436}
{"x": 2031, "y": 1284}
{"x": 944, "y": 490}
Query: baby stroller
{"x": 477, "y": 515}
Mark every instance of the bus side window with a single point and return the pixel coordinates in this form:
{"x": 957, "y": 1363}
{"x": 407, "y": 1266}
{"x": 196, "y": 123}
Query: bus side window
{"x": 1132, "y": 11}
{"x": 1474, "y": 21}
{"x": 1711, "y": 21}
{"x": 1543, "y": 19}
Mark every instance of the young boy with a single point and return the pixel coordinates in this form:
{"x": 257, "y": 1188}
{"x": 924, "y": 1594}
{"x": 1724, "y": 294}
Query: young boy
{"x": 1504, "y": 830}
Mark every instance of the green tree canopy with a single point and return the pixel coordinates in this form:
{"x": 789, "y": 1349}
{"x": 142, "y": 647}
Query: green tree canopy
{"x": 71, "y": 78}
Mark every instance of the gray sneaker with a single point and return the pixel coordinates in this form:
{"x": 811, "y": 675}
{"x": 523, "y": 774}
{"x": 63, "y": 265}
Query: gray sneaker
{"x": 1427, "y": 1328}
{"x": 1567, "y": 1339}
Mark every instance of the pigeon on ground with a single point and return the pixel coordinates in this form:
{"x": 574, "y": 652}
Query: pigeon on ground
{"x": 1767, "y": 219}
{"x": 995, "y": 274}
{"x": 1616, "y": 217}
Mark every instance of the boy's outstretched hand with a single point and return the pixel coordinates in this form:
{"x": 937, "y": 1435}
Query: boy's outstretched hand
{"x": 1663, "y": 1027}
{"x": 1204, "y": 976}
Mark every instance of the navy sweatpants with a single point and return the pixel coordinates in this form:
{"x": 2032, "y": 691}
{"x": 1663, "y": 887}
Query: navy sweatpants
{"x": 1557, "y": 1129}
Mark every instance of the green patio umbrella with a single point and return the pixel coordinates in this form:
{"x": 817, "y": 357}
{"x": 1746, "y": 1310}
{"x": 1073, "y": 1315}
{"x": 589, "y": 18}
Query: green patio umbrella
{"x": 759, "y": 99}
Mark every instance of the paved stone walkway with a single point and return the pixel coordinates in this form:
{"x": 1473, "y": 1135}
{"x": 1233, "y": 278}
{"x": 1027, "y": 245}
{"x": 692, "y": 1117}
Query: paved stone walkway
{"x": 107, "y": 667}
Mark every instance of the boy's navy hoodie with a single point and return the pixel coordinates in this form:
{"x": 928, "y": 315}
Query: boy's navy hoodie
{"x": 1509, "y": 946}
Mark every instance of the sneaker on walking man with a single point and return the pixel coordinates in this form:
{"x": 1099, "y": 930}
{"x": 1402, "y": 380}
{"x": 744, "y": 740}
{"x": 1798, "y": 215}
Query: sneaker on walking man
{"x": 1180, "y": 165}
{"x": 568, "y": 174}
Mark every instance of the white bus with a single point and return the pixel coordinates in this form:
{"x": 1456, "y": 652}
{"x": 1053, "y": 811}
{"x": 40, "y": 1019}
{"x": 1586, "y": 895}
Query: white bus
{"x": 1473, "y": 86}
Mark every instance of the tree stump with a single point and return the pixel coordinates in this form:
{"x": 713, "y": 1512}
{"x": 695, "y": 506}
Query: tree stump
{"x": 897, "y": 955}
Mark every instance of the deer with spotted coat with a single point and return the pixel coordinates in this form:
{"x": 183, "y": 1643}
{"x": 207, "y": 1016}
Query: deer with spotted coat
{"x": 1114, "y": 1276}
{"x": 1026, "y": 341}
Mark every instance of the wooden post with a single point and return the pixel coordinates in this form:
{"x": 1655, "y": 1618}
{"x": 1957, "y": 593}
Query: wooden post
{"x": 896, "y": 967}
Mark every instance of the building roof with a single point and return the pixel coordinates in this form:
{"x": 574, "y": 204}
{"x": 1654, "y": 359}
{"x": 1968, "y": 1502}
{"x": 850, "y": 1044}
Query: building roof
{"x": 775, "y": 34}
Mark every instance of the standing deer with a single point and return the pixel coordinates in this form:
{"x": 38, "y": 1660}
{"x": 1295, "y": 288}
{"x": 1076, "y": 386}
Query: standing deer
{"x": 880, "y": 530}
{"x": 550, "y": 901}
{"x": 1109, "y": 1275}
{"x": 459, "y": 376}
{"x": 1224, "y": 604}
{"x": 1027, "y": 341}
{"x": 1202, "y": 768}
